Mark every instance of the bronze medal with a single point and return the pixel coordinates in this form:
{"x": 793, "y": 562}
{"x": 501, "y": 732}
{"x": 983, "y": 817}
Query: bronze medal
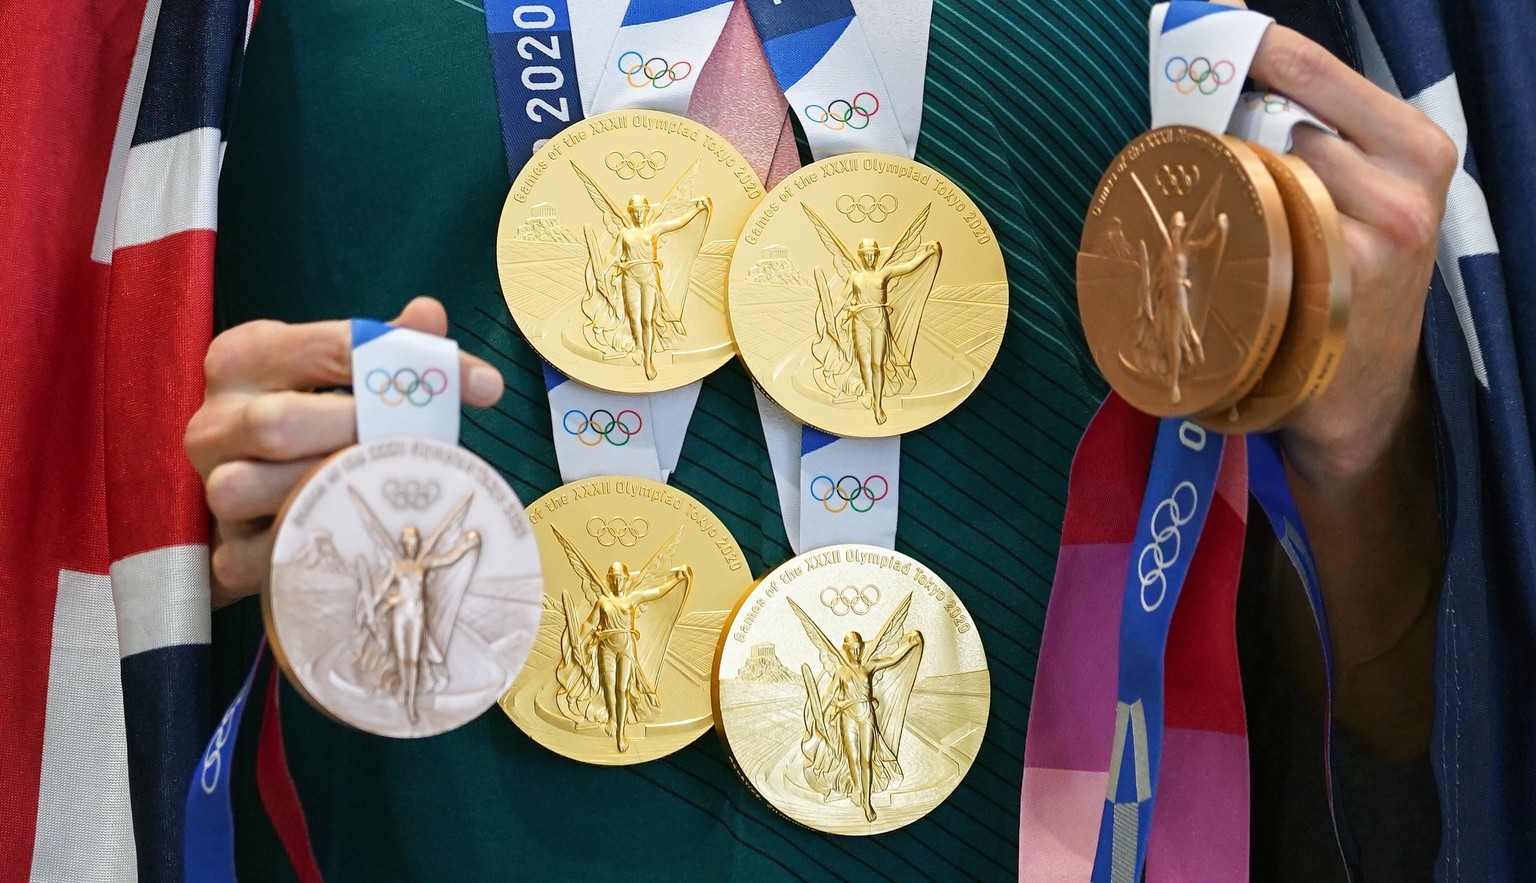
{"x": 1184, "y": 271}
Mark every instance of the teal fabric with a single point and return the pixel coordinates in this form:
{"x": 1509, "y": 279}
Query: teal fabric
{"x": 365, "y": 167}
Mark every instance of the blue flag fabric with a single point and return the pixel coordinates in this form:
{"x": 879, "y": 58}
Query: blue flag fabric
{"x": 1463, "y": 64}
{"x": 1457, "y": 62}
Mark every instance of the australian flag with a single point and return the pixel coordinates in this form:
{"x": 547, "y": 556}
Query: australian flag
{"x": 111, "y": 136}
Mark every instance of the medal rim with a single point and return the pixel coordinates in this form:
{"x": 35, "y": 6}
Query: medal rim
{"x": 574, "y": 368}
{"x": 1258, "y": 413}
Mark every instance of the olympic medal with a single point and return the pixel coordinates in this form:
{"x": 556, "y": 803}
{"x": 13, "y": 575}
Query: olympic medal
{"x": 639, "y": 578}
{"x": 1184, "y": 272}
{"x": 614, "y": 245}
{"x": 1316, "y": 324}
{"x": 851, "y": 689}
{"x": 405, "y": 587}
{"x": 868, "y": 295}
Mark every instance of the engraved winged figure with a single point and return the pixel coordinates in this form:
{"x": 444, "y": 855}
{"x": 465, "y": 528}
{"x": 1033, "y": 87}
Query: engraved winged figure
{"x": 408, "y": 597}
{"x": 1173, "y": 292}
{"x": 637, "y": 269}
{"x": 866, "y": 328}
{"x": 856, "y": 708}
{"x": 613, "y": 641}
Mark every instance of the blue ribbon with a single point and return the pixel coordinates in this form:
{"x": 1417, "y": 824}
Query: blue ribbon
{"x": 533, "y": 62}
{"x": 1185, "y": 462}
{"x": 209, "y": 845}
{"x": 1267, "y": 483}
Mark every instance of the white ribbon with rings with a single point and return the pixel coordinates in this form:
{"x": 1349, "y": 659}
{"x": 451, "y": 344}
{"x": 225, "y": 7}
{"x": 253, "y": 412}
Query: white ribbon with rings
{"x": 622, "y": 49}
{"x": 404, "y": 382}
{"x": 1268, "y": 119}
{"x": 833, "y": 489}
{"x": 1200, "y": 54}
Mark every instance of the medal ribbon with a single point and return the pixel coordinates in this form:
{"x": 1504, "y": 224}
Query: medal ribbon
{"x": 833, "y": 489}
{"x": 1185, "y": 459}
{"x": 209, "y": 847}
{"x": 1080, "y": 718}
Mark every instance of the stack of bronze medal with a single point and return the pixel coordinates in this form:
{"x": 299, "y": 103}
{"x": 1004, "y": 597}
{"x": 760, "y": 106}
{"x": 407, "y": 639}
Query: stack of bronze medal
{"x": 1213, "y": 280}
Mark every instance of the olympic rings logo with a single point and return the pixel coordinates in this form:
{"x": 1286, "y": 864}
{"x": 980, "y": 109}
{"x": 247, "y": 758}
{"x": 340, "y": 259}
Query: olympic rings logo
{"x": 1167, "y": 543}
{"x": 603, "y": 426}
{"x": 411, "y": 494}
{"x": 850, "y": 599}
{"x": 844, "y": 114}
{"x": 635, "y": 164}
{"x": 623, "y": 531}
{"x": 1178, "y": 179}
{"x": 1273, "y": 103}
{"x": 655, "y": 72}
{"x": 1199, "y": 74}
{"x": 406, "y": 385}
{"x": 866, "y": 206}
{"x": 213, "y": 758}
{"x": 848, "y": 492}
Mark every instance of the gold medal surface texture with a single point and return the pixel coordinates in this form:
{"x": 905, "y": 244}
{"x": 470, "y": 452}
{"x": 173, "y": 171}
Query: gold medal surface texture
{"x": 639, "y": 578}
{"x": 1184, "y": 272}
{"x": 614, "y": 245}
{"x": 868, "y": 295}
{"x": 405, "y": 587}
{"x": 851, "y": 689}
{"x": 1318, "y": 319}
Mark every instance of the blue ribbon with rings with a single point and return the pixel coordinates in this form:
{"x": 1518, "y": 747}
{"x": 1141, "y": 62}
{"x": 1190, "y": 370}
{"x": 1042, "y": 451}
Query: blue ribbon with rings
{"x": 208, "y": 847}
{"x": 1185, "y": 461}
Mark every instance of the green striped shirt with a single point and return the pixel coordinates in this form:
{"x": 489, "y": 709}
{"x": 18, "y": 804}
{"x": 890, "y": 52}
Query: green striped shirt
{"x": 365, "y": 167}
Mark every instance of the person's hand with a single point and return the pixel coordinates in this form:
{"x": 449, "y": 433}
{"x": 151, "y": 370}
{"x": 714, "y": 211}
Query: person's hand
{"x": 1388, "y": 174}
{"x": 262, "y": 427}
{"x": 1359, "y": 456}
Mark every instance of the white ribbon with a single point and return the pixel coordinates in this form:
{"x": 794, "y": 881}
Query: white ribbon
{"x": 404, "y": 382}
{"x": 1199, "y": 55}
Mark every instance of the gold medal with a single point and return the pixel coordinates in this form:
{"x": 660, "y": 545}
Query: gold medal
{"x": 405, "y": 587}
{"x": 1184, "y": 272}
{"x": 1317, "y": 321}
{"x": 614, "y": 245}
{"x": 851, "y": 689}
{"x": 868, "y": 296}
{"x": 639, "y": 578}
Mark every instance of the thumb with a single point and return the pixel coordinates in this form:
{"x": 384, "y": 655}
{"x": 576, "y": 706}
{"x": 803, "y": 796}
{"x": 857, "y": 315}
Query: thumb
{"x": 423, "y": 314}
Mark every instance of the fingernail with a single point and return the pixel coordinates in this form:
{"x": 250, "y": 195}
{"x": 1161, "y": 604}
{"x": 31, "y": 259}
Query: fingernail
{"x": 484, "y": 383}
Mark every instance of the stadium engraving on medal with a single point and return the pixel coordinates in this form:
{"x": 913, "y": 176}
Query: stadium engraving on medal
{"x": 868, "y": 315}
{"x": 851, "y": 690}
{"x": 613, "y": 249}
{"x": 633, "y": 607}
{"x": 403, "y": 606}
{"x": 1183, "y": 276}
